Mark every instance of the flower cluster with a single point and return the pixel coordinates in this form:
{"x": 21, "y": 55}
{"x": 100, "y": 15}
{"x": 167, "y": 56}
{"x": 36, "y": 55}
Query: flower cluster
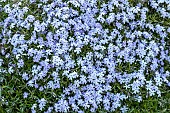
{"x": 98, "y": 53}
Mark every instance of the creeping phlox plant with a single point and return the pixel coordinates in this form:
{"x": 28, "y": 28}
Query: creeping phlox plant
{"x": 84, "y": 55}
